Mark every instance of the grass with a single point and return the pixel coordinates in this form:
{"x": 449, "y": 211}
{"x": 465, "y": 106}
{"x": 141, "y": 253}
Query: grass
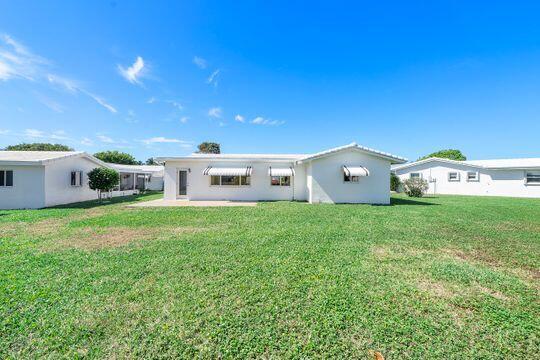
{"x": 447, "y": 277}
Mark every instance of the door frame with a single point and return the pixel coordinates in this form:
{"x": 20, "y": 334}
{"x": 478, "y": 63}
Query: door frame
{"x": 178, "y": 196}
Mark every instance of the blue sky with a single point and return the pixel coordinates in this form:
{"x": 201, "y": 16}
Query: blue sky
{"x": 156, "y": 78}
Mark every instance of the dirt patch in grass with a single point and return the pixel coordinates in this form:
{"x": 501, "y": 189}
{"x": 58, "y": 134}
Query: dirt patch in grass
{"x": 436, "y": 288}
{"x": 396, "y": 253}
{"x": 474, "y": 255}
{"x": 496, "y": 294}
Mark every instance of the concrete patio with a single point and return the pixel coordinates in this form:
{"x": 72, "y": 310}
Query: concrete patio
{"x": 179, "y": 203}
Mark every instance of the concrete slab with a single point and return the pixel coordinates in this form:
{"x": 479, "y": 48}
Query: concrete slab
{"x": 179, "y": 203}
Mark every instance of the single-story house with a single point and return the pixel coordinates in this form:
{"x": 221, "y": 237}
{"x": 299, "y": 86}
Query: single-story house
{"x": 346, "y": 174}
{"x": 504, "y": 177}
{"x": 37, "y": 179}
{"x": 138, "y": 177}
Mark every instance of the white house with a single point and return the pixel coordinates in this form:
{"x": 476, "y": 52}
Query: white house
{"x": 505, "y": 177}
{"x": 347, "y": 174}
{"x": 37, "y": 179}
{"x": 138, "y": 177}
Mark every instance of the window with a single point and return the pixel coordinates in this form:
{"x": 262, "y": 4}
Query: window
{"x": 76, "y": 178}
{"x": 453, "y": 176}
{"x": 533, "y": 178}
{"x": 415, "y": 175}
{"x": 348, "y": 178}
{"x": 223, "y": 180}
{"x": 472, "y": 176}
{"x": 6, "y": 178}
{"x": 280, "y": 181}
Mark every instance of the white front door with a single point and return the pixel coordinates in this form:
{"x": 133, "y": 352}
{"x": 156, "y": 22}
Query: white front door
{"x": 182, "y": 183}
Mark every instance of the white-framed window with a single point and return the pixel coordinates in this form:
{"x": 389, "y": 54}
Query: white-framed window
{"x": 76, "y": 178}
{"x": 280, "y": 180}
{"x": 453, "y": 176}
{"x": 349, "y": 178}
{"x": 415, "y": 175}
{"x": 532, "y": 178}
{"x": 6, "y": 178}
{"x": 225, "y": 180}
{"x": 473, "y": 176}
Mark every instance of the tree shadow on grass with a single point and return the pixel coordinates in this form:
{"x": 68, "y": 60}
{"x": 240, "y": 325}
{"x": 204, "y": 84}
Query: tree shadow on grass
{"x": 115, "y": 200}
{"x": 402, "y": 201}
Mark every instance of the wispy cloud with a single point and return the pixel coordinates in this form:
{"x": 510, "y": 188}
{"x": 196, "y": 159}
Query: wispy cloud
{"x": 239, "y": 118}
{"x": 213, "y": 78}
{"x": 87, "y": 142}
{"x": 151, "y": 100}
{"x": 184, "y": 119}
{"x": 164, "y": 140}
{"x": 215, "y": 112}
{"x": 39, "y": 134}
{"x": 34, "y": 133}
{"x": 200, "y": 62}
{"x": 175, "y": 104}
{"x": 259, "y": 120}
{"x": 59, "y": 135}
{"x": 105, "y": 139}
{"x": 17, "y": 61}
{"x": 4, "y": 132}
{"x": 51, "y": 104}
{"x": 133, "y": 73}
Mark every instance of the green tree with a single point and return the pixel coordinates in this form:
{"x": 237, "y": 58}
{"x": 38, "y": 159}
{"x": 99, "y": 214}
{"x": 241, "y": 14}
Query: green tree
{"x": 38, "y": 147}
{"x": 151, "y": 161}
{"x": 103, "y": 179}
{"x": 395, "y": 182}
{"x": 451, "y": 154}
{"x": 116, "y": 157}
{"x": 209, "y": 148}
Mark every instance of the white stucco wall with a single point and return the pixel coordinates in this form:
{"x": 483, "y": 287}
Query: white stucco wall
{"x": 325, "y": 179}
{"x": 28, "y": 187}
{"x": 491, "y": 182}
{"x": 155, "y": 183}
{"x": 199, "y": 187}
{"x": 58, "y": 189}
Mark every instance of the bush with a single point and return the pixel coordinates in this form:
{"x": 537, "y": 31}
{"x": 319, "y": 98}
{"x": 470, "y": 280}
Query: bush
{"x": 117, "y": 157}
{"x": 395, "y": 182}
{"x": 103, "y": 179}
{"x": 415, "y": 187}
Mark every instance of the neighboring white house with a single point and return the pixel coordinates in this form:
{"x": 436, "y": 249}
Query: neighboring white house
{"x": 138, "y": 177}
{"x": 347, "y": 174}
{"x": 505, "y": 177}
{"x": 37, "y": 179}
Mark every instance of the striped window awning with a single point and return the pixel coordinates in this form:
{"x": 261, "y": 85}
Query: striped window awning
{"x": 272, "y": 171}
{"x": 219, "y": 171}
{"x": 355, "y": 171}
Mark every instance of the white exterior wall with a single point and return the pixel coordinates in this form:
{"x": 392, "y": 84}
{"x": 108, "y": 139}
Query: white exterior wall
{"x": 58, "y": 189}
{"x": 28, "y": 190}
{"x": 325, "y": 179}
{"x": 199, "y": 188}
{"x": 491, "y": 182}
{"x": 155, "y": 183}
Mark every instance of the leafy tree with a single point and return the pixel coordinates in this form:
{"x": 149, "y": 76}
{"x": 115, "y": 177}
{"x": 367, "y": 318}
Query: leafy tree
{"x": 451, "y": 154}
{"x": 415, "y": 187}
{"x": 116, "y": 157}
{"x": 103, "y": 179}
{"x": 38, "y": 147}
{"x": 151, "y": 161}
{"x": 395, "y": 182}
{"x": 209, "y": 148}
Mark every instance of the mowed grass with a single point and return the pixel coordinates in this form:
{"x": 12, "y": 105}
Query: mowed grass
{"x": 435, "y": 278}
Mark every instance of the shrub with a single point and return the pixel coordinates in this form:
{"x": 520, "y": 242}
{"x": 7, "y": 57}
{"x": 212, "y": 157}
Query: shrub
{"x": 103, "y": 179}
{"x": 395, "y": 182}
{"x": 415, "y": 187}
{"x": 117, "y": 157}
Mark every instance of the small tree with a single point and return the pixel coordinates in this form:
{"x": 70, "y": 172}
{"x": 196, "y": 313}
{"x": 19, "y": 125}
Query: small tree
{"x": 151, "y": 161}
{"x": 38, "y": 147}
{"x": 209, "y": 148}
{"x": 451, "y": 154}
{"x": 395, "y": 182}
{"x": 415, "y": 187}
{"x": 103, "y": 179}
{"x": 116, "y": 157}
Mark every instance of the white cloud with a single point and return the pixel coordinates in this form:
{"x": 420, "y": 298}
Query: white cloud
{"x": 134, "y": 72}
{"x": 239, "y": 118}
{"x": 102, "y": 102}
{"x": 184, "y": 119}
{"x": 222, "y": 124}
{"x": 215, "y": 112}
{"x": 151, "y": 100}
{"x": 51, "y": 104}
{"x": 59, "y": 135}
{"x": 105, "y": 139}
{"x": 34, "y": 133}
{"x": 212, "y": 79}
{"x": 4, "y": 132}
{"x": 175, "y": 104}
{"x": 259, "y": 120}
{"x": 200, "y": 62}
{"x": 164, "y": 140}
{"x": 87, "y": 142}
{"x": 16, "y": 61}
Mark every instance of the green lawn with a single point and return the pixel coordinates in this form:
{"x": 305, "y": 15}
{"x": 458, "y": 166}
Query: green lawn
{"x": 435, "y": 278}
